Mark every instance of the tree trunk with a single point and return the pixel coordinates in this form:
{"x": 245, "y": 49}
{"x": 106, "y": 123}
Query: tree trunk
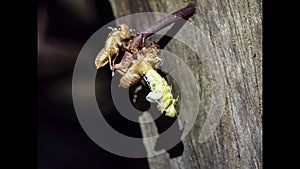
{"x": 234, "y": 30}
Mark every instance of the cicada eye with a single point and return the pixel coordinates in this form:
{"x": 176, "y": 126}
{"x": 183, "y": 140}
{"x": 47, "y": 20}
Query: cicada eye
{"x": 133, "y": 32}
{"x": 119, "y": 28}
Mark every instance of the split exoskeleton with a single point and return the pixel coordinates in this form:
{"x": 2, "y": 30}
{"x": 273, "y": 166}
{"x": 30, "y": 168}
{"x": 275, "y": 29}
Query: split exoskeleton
{"x": 136, "y": 64}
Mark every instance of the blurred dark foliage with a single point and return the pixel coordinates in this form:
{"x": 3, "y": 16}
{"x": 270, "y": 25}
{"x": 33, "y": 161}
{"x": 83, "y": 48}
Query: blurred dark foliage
{"x": 63, "y": 28}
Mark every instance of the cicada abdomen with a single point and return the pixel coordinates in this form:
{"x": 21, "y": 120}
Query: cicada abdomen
{"x": 129, "y": 79}
{"x": 161, "y": 93}
{"x": 112, "y": 44}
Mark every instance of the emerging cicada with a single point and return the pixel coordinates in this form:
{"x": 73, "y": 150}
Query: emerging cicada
{"x": 160, "y": 93}
{"x": 131, "y": 74}
{"x": 112, "y": 44}
{"x": 133, "y": 69}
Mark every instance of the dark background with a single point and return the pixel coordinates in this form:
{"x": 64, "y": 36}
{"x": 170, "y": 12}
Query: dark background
{"x": 63, "y": 28}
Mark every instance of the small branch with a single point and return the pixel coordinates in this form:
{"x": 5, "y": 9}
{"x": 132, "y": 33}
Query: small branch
{"x": 182, "y": 13}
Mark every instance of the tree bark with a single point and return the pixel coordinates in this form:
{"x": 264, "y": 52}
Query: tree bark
{"x": 234, "y": 30}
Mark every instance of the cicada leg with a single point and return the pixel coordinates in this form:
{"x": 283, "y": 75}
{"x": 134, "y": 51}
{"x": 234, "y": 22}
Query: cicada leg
{"x": 122, "y": 45}
{"x": 110, "y": 63}
{"x": 113, "y": 62}
{"x": 143, "y": 41}
{"x": 111, "y": 66}
{"x": 121, "y": 68}
{"x": 125, "y": 62}
{"x": 115, "y": 53}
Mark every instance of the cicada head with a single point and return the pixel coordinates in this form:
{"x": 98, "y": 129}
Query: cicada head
{"x": 125, "y": 31}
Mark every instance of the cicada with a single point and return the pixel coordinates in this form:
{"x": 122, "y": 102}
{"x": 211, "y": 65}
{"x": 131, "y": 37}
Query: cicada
{"x": 114, "y": 40}
{"x": 160, "y": 93}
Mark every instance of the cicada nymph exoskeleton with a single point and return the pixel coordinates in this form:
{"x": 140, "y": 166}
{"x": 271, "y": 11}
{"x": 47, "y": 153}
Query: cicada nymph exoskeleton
{"x": 114, "y": 40}
{"x": 129, "y": 77}
{"x": 146, "y": 57}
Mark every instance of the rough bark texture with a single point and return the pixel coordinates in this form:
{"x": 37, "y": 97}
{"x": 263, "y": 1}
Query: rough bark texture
{"x": 234, "y": 30}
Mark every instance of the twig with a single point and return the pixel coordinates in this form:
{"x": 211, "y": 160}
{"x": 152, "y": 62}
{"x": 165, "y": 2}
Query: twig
{"x": 182, "y": 13}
